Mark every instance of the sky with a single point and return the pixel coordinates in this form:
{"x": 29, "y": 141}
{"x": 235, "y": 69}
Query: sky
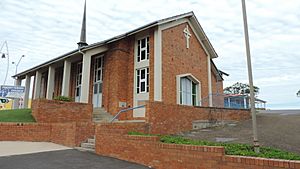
{"x": 43, "y": 29}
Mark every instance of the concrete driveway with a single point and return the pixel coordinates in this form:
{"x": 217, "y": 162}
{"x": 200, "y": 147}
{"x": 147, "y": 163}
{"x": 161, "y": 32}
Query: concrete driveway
{"x": 279, "y": 129}
{"x": 28, "y": 155}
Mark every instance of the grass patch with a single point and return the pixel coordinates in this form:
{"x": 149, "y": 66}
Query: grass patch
{"x": 230, "y": 148}
{"x": 18, "y": 115}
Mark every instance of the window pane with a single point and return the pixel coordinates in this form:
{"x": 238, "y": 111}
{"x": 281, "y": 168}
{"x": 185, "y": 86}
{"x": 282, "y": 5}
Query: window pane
{"x": 98, "y": 74}
{"x": 100, "y": 87}
{"x": 143, "y": 86}
{"x": 143, "y": 43}
{"x": 143, "y": 73}
{"x": 194, "y": 100}
{"x": 95, "y": 88}
{"x": 194, "y": 90}
{"x": 147, "y": 79}
{"x": 143, "y": 55}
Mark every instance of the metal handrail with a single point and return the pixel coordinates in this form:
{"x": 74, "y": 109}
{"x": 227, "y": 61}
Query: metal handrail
{"x": 124, "y": 110}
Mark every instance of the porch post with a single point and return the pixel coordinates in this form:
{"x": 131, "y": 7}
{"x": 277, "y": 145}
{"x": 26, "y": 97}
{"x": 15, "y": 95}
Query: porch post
{"x": 37, "y": 84}
{"x": 16, "y": 101}
{"x": 85, "y": 80}
{"x": 50, "y": 83}
{"x": 27, "y": 89}
{"x": 210, "y": 100}
{"x": 66, "y": 78}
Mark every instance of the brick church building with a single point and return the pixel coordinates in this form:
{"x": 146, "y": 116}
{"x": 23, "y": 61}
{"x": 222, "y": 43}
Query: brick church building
{"x": 168, "y": 61}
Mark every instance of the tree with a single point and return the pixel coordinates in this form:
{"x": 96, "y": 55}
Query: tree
{"x": 240, "y": 88}
{"x": 298, "y": 93}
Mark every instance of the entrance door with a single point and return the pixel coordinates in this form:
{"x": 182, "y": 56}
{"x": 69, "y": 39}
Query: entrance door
{"x": 98, "y": 74}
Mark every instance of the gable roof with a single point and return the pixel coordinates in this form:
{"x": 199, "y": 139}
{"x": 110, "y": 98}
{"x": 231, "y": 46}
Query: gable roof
{"x": 190, "y": 15}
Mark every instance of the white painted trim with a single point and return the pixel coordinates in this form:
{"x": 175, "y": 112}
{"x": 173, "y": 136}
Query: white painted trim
{"x": 198, "y": 38}
{"x": 66, "y": 78}
{"x": 193, "y": 78}
{"x": 27, "y": 90}
{"x": 138, "y": 65}
{"x": 85, "y": 80}
{"x": 158, "y": 65}
{"x": 50, "y": 83}
{"x": 210, "y": 102}
{"x": 181, "y": 21}
{"x": 37, "y": 84}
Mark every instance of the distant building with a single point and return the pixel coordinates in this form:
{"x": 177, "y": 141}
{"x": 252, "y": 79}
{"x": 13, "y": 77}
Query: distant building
{"x": 241, "y": 101}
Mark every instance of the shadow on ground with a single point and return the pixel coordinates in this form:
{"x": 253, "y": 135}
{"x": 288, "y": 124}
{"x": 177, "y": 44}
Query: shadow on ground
{"x": 64, "y": 159}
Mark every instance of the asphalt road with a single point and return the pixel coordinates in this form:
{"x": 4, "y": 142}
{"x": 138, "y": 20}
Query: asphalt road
{"x": 64, "y": 159}
{"x": 279, "y": 129}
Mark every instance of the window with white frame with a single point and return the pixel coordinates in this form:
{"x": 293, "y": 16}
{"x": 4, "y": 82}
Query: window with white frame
{"x": 142, "y": 79}
{"x": 188, "y": 92}
{"x": 143, "y": 49}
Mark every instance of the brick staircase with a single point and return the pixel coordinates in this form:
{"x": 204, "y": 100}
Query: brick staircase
{"x": 88, "y": 145}
{"x": 101, "y": 116}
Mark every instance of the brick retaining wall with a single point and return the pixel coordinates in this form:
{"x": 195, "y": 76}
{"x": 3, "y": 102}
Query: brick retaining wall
{"x": 173, "y": 118}
{"x": 150, "y": 152}
{"x": 53, "y": 111}
{"x": 68, "y": 134}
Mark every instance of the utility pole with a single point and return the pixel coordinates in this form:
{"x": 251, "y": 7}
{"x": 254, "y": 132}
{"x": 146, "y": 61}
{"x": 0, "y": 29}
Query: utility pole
{"x": 252, "y": 101}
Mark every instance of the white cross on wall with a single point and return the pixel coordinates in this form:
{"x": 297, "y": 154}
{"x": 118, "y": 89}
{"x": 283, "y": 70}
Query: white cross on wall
{"x": 187, "y": 35}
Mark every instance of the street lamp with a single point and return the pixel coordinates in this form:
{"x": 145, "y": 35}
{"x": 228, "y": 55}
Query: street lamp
{"x": 3, "y": 57}
{"x": 14, "y": 63}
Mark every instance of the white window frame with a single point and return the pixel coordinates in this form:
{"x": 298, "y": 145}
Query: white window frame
{"x": 142, "y": 49}
{"x": 140, "y": 80}
{"x": 198, "y": 88}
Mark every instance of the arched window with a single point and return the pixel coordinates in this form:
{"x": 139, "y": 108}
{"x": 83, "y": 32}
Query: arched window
{"x": 188, "y": 90}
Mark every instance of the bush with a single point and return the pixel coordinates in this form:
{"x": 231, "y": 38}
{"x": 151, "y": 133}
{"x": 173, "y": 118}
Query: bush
{"x": 230, "y": 148}
{"x": 63, "y": 98}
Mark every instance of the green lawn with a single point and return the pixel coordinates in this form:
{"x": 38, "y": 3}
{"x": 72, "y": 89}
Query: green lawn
{"x": 230, "y": 148}
{"x": 19, "y": 115}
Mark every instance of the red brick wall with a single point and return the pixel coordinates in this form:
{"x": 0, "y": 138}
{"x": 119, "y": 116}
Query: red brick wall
{"x": 177, "y": 59}
{"x": 25, "y": 132}
{"x": 173, "y": 118}
{"x": 63, "y": 133}
{"x": 150, "y": 152}
{"x": 84, "y": 130}
{"x": 52, "y": 111}
{"x": 68, "y": 134}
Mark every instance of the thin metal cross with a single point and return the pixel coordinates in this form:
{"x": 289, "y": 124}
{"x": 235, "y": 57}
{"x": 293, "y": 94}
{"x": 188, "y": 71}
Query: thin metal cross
{"x": 187, "y": 35}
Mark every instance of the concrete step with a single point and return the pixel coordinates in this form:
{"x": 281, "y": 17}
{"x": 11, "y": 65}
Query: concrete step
{"x": 91, "y": 140}
{"x": 129, "y": 121}
{"x": 85, "y": 149}
{"x": 102, "y": 116}
{"x": 88, "y": 145}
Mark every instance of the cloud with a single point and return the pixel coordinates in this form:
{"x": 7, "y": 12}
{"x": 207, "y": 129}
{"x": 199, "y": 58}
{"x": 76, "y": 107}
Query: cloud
{"x": 43, "y": 30}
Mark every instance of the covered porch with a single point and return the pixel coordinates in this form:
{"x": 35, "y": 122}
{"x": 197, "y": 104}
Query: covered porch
{"x": 69, "y": 75}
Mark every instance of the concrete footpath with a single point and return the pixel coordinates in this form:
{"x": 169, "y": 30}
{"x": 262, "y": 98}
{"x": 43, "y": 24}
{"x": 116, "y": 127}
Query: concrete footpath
{"x": 9, "y": 148}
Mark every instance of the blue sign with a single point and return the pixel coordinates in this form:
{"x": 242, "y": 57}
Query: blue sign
{"x": 12, "y": 91}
